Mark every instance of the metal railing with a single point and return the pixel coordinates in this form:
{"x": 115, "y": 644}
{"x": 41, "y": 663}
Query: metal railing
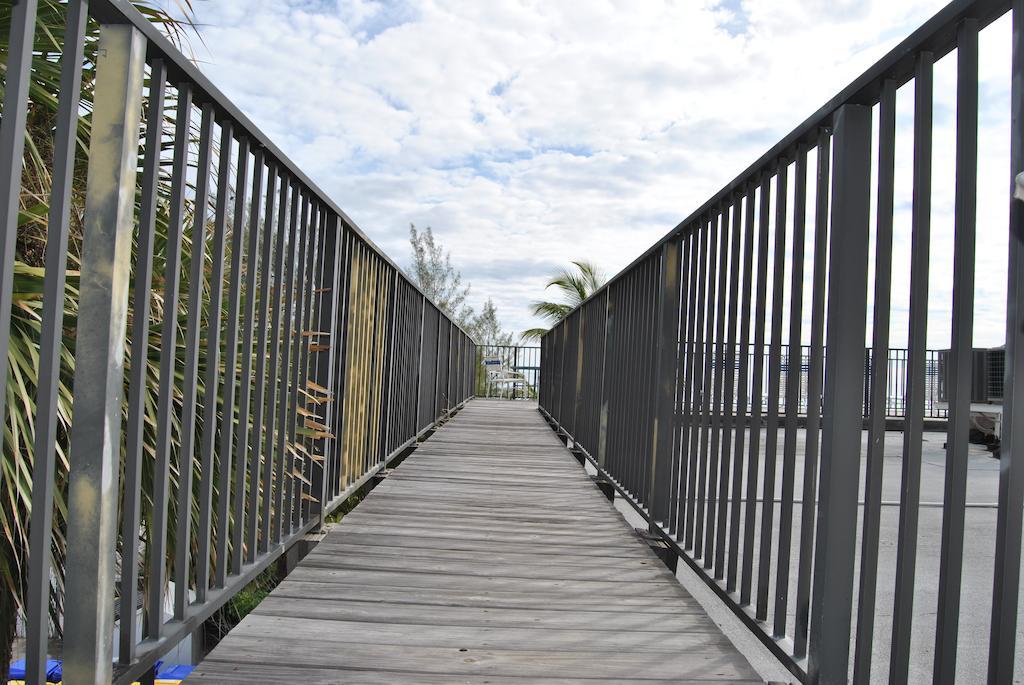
{"x": 276, "y": 358}
{"x": 769, "y": 516}
{"x": 895, "y": 375}
{"x": 522, "y": 360}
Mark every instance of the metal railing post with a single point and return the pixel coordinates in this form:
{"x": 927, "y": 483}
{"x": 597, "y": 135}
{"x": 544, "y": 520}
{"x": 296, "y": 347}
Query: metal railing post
{"x": 602, "y": 422}
{"x": 667, "y": 330}
{"x": 577, "y": 395}
{"x": 99, "y": 355}
{"x": 831, "y": 603}
{"x": 419, "y": 364}
{"x": 18, "y": 63}
{"x": 37, "y": 610}
{"x": 1006, "y": 576}
{"x": 328, "y": 323}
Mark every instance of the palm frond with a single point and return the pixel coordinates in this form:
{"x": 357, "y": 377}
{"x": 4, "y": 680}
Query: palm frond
{"x": 552, "y": 311}
{"x": 575, "y": 285}
{"x": 533, "y": 334}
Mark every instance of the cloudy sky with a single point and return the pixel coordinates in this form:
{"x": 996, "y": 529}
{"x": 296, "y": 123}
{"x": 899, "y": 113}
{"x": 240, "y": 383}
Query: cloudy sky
{"x": 531, "y": 133}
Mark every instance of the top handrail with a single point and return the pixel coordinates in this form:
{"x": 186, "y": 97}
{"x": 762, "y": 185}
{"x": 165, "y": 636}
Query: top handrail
{"x": 181, "y": 68}
{"x": 937, "y": 35}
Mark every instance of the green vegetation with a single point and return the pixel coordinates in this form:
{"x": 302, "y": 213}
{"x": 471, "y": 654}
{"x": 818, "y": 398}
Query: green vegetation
{"x": 433, "y": 272}
{"x": 30, "y": 271}
{"x": 240, "y": 605}
{"x": 575, "y": 285}
{"x": 345, "y": 507}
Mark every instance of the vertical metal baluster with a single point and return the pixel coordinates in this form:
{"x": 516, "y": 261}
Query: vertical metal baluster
{"x": 815, "y": 381}
{"x": 814, "y": 385}
{"x": 294, "y": 469}
{"x": 771, "y": 442}
{"x": 312, "y": 361}
{"x": 12, "y": 151}
{"x": 910, "y": 485}
{"x": 228, "y": 459}
{"x": 708, "y": 332}
{"x": 368, "y": 348}
{"x": 426, "y": 364}
{"x": 393, "y": 378}
{"x": 624, "y": 410}
{"x": 840, "y": 464}
{"x": 740, "y": 421}
{"x": 650, "y": 354}
{"x": 627, "y": 389}
{"x": 965, "y": 217}
{"x": 442, "y": 356}
{"x": 878, "y": 382}
{"x": 398, "y": 339}
{"x": 678, "y": 476}
{"x": 640, "y": 387}
{"x": 328, "y": 324}
{"x": 293, "y": 339}
{"x": 307, "y": 366}
{"x": 698, "y": 389}
{"x": 363, "y": 349}
{"x": 419, "y": 364}
{"x": 280, "y": 452}
{"x": 138, "y": 390}
{"x": 1006, "y": 577}
{"x": 620, "y": 318}
{"x": 259, "y": 485}
{"x": 637, "y": 389}
{"x": 211, "y": 383}
{"x": 186, "y": 454}
{"x": 607, "y": 380}
{"x": 37, "y": 608}
{"x": 577, "y": 395}
{"x": 754, "y": 454}
{"x": 270, "y": 486}
{"x": 794, "y": 364}
{"x": 245, "y": 517}
{"x": 715, "y": 474}
{"x": 156, "y": 544}
{"x": 729, "y": 474}
{"x": 341, "y": 372}
{"x": 99, "y": 354}
{"x": 638, "y": 438}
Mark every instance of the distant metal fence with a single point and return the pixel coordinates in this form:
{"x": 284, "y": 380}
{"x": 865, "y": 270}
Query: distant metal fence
{"x": 777, "y": 536}
{"x": 294, "y": 359}
{"x": 935, "y": 406}
{"x": 520, "y": 360}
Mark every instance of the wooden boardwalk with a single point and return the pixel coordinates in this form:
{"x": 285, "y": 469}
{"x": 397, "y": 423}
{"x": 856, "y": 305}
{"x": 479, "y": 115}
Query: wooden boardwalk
{"x": 487, "y": 557}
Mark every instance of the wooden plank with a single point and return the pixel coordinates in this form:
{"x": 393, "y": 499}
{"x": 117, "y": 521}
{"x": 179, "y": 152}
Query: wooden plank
{"x": 488, "y": 556}
{"x": 496, "y": 599}
{"x": 530, "y": 638}
{"x": 425, "y": 615}
{"x": 234, "y": 673}
{"x": 704, "y": 663}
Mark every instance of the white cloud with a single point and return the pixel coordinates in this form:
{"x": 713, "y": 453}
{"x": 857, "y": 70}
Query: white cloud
{"x": 531, "y": 133}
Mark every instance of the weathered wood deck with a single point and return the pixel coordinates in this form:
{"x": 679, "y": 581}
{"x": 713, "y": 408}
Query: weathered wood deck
{"x": 487, "y": 557}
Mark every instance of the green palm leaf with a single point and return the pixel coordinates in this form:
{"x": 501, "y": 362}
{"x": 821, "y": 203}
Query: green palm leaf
{"x": 575, "y": 285}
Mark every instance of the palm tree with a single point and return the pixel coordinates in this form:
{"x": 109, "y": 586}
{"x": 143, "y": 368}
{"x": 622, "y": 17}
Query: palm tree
{"x": 576, "y": 285}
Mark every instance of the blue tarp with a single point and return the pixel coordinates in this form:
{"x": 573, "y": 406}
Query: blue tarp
{"x": 172, "y": 671}
{"x": 54, "y": 671}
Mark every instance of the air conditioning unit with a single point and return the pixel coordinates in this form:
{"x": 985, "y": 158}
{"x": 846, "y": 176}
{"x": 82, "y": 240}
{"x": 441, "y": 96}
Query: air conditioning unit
{"x": 986, "y": 375}
{"x": 987, "y": 366}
